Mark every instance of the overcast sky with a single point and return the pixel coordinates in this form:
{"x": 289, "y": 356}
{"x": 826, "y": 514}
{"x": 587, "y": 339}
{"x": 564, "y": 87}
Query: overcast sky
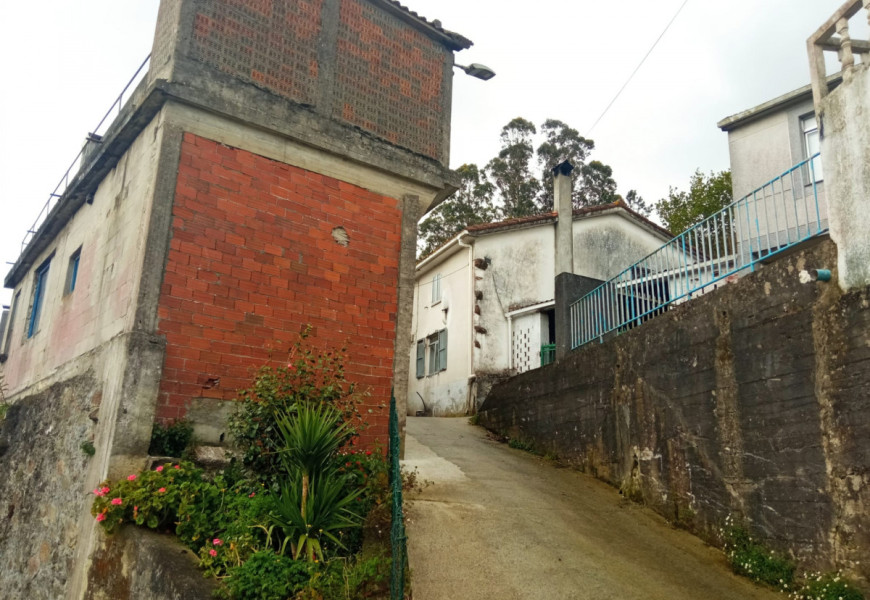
{"x": 63, "y": 64}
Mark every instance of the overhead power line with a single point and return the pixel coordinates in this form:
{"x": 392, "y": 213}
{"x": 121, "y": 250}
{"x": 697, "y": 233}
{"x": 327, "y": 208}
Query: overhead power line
{"x": 640, "y": 64}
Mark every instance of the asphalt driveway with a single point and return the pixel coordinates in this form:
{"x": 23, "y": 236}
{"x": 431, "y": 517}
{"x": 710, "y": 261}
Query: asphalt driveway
{"x": 502, "y": 524}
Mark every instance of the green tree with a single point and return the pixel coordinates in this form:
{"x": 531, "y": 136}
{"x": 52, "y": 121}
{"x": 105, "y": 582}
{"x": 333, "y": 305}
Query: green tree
{"x": 596, "y": 185}
{"x": 471, "y": 204}
{"x": 561, "y": 143}
{"x": 707, "y": 195}
{"x": 511, "y": 171}
{"x": 636, "y": 203}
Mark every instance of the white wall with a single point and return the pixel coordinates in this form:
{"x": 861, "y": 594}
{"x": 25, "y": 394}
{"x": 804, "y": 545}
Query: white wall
{"x": 521, "y": 271}
{"x": 445, "y": 392}
{"x": 606, "y": 245}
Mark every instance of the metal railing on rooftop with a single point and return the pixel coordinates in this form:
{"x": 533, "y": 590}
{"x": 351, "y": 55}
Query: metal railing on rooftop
{"x": 93, "y": 136}
{"x": 785, "y": 211}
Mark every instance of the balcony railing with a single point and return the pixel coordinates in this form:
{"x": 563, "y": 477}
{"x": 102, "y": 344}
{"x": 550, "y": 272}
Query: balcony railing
{"x": 776, "y": 216}
{"x": 834, "y": 36}
{"x": 94, "y": 136}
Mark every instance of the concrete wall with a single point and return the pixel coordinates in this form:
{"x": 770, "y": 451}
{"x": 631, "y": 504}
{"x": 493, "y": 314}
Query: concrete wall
{"x": 750, "y": 400}
{"x": 606, "y": 245}
{"x": 445, "y": 392}
{"x": 762, "y": 149}
{"x": 520, "y": 273}
{"x": 110, "y": 233}
{"x": 846, "y": 137}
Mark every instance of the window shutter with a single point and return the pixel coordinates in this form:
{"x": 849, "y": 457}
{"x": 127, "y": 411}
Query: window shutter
{"x": 442, "y": 349}
{"x": 421, "y": 358}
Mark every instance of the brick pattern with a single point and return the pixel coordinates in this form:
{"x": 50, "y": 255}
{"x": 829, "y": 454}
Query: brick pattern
{"x": 389, "y": 78}
{"x": 252, "y": 260}
{"x": 270, "y": 43}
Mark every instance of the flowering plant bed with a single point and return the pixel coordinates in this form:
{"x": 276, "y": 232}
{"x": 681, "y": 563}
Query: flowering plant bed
{"x": 303, "y": 515}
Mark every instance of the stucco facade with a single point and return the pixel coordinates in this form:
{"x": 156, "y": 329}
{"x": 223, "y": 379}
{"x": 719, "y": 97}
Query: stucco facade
{"x": 764, "y": 143}
{"x": 497, "y": 298}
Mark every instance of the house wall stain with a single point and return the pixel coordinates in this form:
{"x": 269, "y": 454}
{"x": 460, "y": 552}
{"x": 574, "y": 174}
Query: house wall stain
{"x": 740, "y": 402}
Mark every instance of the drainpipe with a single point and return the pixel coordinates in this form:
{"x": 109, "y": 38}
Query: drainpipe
{"x": 469, "y": 401}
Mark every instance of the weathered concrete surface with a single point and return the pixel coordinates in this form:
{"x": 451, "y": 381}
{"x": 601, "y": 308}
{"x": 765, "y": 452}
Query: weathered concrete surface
{"x": 502, "y": 524}
{"x": 751, "y": 401}
{"x": 845, "y": 129}
{"x": 136, "y": 563}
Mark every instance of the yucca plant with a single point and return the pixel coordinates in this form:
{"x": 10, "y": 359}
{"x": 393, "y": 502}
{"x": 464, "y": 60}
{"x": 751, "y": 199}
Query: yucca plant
{"x": 312, "y": 436}
{"x": 325, "y": 514}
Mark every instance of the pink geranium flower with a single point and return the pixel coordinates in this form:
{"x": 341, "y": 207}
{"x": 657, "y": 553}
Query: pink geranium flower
{"x": 162, "y": 490}
{"x": 116, "y": 501}
{"x": 105, "y": 490}
{"x": 216, "y": 542}
{"x": 158, "y": 469}
{"x": 213, "y": 552}
{"x": 252, "y": 494}
{"x": 131, "y": 477}
{"x": 177, "y": 466}
{"x": 101, "y": 517}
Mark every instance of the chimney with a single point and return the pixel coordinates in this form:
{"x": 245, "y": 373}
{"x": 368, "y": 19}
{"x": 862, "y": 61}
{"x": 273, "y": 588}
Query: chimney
{"x": 562, "y": 203}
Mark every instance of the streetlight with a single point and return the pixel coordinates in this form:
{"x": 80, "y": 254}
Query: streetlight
{"x": 478, "y": 70}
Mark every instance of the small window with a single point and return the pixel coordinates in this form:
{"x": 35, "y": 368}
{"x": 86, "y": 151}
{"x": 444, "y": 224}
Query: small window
{"x": 421, "y": 358}
{"x": 41, "y": 278}
{"x": 437, "y": 352}
{"x": 72, "y": 271}
{"x": 436, "y": 289}
{"x": 11, "y": 322}
{"x": 810, "y": 128}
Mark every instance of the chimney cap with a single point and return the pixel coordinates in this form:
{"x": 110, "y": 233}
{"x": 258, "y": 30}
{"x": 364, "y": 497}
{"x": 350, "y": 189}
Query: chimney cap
{"x": 563, "y": 168}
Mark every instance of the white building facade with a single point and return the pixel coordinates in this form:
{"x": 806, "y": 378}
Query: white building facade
{"x": 484, "y": 302}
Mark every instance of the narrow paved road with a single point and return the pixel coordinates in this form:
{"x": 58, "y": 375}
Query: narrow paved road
{"x": 502, "y": 524}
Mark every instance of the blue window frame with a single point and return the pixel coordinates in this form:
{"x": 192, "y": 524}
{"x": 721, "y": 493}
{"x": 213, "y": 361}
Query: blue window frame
{"x": 38, "y": 297}
{"x": 73, "y": 271}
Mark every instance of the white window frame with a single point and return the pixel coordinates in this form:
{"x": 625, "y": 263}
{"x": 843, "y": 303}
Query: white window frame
{"x": 436, "y": 288}
{"x": 812, "y": 144}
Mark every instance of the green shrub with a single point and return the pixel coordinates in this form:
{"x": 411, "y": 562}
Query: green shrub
{"x": 829, "y": 586}
{"x": 521, "y": 445}
{"x": 350, "y": 579}
{"x": 172, "y": 439}
{"x": 149, "y": 498}
{"x": 753, "y": 560}
{"x": 311, "y": 377}
{"x": 268, "y": 576}
{"x": 88, "y": 448}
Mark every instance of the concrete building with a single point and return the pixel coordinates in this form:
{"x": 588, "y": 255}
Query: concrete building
{"x": 267, "y": 173}
{"x": 765, "y": 142}
{"x": 484, "y": 303}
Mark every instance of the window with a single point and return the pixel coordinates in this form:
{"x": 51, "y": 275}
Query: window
{"x": 421, "y": 358}
{"x": 810, "y": 129}
{"x": 72, "y": 271}
{"x": 41, "y": 277}
{"x": 436, "y": 289}
{"x": 11, "y": 322}
{"x": 437, "y": 352}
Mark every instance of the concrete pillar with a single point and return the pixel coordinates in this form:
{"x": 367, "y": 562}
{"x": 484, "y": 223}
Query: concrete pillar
{"x": 562, "y": 203}
{"x": 845, "y": 137}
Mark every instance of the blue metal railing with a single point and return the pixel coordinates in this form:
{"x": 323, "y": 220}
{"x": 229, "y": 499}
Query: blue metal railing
{"x": 95, "y": 135}
{"x": 781, "y": 213}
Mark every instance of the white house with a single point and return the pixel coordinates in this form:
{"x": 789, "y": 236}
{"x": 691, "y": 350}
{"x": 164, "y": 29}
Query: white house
{"x": 484, "y": 301}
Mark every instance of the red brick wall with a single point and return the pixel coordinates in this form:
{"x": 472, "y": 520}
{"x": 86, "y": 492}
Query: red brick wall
{"x": 252, "y": 260}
